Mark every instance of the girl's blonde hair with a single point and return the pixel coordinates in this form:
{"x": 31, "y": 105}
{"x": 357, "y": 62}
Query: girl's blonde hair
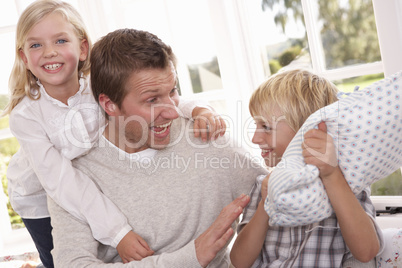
{"x": 22, "y": 81}
{"x": 297, "y": 94}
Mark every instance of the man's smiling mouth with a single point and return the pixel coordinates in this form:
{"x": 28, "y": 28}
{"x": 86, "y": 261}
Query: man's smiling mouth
{"x": 161, "y": 129}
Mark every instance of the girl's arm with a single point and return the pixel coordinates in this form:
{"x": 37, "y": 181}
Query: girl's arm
{"x": 250, "y": 240}
{"x": 68, "y": 186}
{"x": 356, "y": 226}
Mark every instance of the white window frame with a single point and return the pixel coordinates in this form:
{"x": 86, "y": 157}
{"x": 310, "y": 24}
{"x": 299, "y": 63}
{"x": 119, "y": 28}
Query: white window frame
{"x": 239, "y": 43}
{"x": 317, "y": 53}
{"x": 388, "y": 16}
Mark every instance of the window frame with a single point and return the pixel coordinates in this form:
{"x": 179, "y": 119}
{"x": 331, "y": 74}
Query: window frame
{"x": 237, "y": 26}
{"x": 317, "y": 53}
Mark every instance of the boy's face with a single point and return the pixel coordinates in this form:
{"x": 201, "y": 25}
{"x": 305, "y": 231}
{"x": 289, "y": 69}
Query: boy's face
{"x": 273, "y": 135}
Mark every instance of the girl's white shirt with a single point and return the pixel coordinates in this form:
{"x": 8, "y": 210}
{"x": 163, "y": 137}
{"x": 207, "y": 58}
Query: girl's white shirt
{"x": 51, "y": 134}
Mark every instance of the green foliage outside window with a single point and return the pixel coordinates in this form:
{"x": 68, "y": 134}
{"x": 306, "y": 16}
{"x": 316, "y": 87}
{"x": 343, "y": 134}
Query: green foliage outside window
{"x": 8, "y": 147}
{"x": 274, "y": 66}
{"x": 348, "y": 30}
{"x": 284, "y": 58}
{"x": 15, "y": 219}
{"x": 390, "y": 185}
{"x": 289, "y": 55}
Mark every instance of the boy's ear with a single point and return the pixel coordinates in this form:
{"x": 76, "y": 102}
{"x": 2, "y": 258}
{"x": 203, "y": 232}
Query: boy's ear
{"x": 108, "y": 105}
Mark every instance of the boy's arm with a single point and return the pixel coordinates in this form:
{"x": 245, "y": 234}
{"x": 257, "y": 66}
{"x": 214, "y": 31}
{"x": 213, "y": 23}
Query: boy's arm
{"x": 207, "y": 123}
{"x": 70, "y": 187}
{"x": 250, "y": 240}
{"x": 357, "y": 228}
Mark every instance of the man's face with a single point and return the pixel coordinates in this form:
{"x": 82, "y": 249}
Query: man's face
{"x": 147, "y": 111}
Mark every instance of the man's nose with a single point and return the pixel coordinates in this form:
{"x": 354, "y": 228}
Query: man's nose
{"x": 170, "y": 111}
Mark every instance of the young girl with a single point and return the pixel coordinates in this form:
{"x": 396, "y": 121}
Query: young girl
{"x": 280, "y": 106}
{"x": 55, "y": 119}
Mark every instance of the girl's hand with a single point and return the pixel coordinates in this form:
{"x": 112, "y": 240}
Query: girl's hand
{"x": 133, "y": 248}
{"x": 208, "y": 124}
{"x": 319, "y": 150}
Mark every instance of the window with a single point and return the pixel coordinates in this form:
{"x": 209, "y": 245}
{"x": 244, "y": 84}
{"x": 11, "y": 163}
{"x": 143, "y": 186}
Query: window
{"x": 193, "y": 41}
{"x": 337, "y": 39}
{"x": 200, "y": 62}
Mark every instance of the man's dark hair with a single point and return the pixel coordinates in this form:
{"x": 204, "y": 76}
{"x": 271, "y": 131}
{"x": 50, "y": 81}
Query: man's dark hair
{"x": 119, "y": 54}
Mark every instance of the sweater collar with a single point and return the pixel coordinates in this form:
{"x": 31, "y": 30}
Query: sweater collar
{"x": 142, "y": 156}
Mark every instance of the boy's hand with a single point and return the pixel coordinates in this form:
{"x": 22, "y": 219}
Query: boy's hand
{"x": 133, "y": 248}
{"x": 264, "y": 188}
{"x": 208, "y": 124}
{"x": 319, "y": 150}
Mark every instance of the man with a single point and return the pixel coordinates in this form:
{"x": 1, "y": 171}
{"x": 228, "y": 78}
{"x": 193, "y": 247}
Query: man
{"x": 177, "y": 193}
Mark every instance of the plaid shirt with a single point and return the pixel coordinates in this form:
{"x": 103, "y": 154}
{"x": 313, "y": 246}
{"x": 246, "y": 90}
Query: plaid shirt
{"x": 316, "y": 245}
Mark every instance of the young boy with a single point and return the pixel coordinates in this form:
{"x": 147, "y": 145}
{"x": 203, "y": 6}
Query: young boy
{"x": 279, "y": 107}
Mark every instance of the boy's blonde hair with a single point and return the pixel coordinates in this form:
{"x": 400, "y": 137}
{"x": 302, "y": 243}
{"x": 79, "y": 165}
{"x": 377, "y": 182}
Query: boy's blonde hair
{"x": 21, "y": 79}
{"x": 297, "y": 94}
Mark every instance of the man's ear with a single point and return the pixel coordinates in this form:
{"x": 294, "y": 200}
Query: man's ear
{"x": 108, "y": 105}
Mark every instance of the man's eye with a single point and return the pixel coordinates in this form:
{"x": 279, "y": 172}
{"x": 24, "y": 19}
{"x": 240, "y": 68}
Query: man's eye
{"x": 173, "y": 91}
{"x": 152, "y": 100}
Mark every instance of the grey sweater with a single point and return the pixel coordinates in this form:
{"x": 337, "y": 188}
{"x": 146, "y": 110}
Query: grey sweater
{"x": 169, "y": 200}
